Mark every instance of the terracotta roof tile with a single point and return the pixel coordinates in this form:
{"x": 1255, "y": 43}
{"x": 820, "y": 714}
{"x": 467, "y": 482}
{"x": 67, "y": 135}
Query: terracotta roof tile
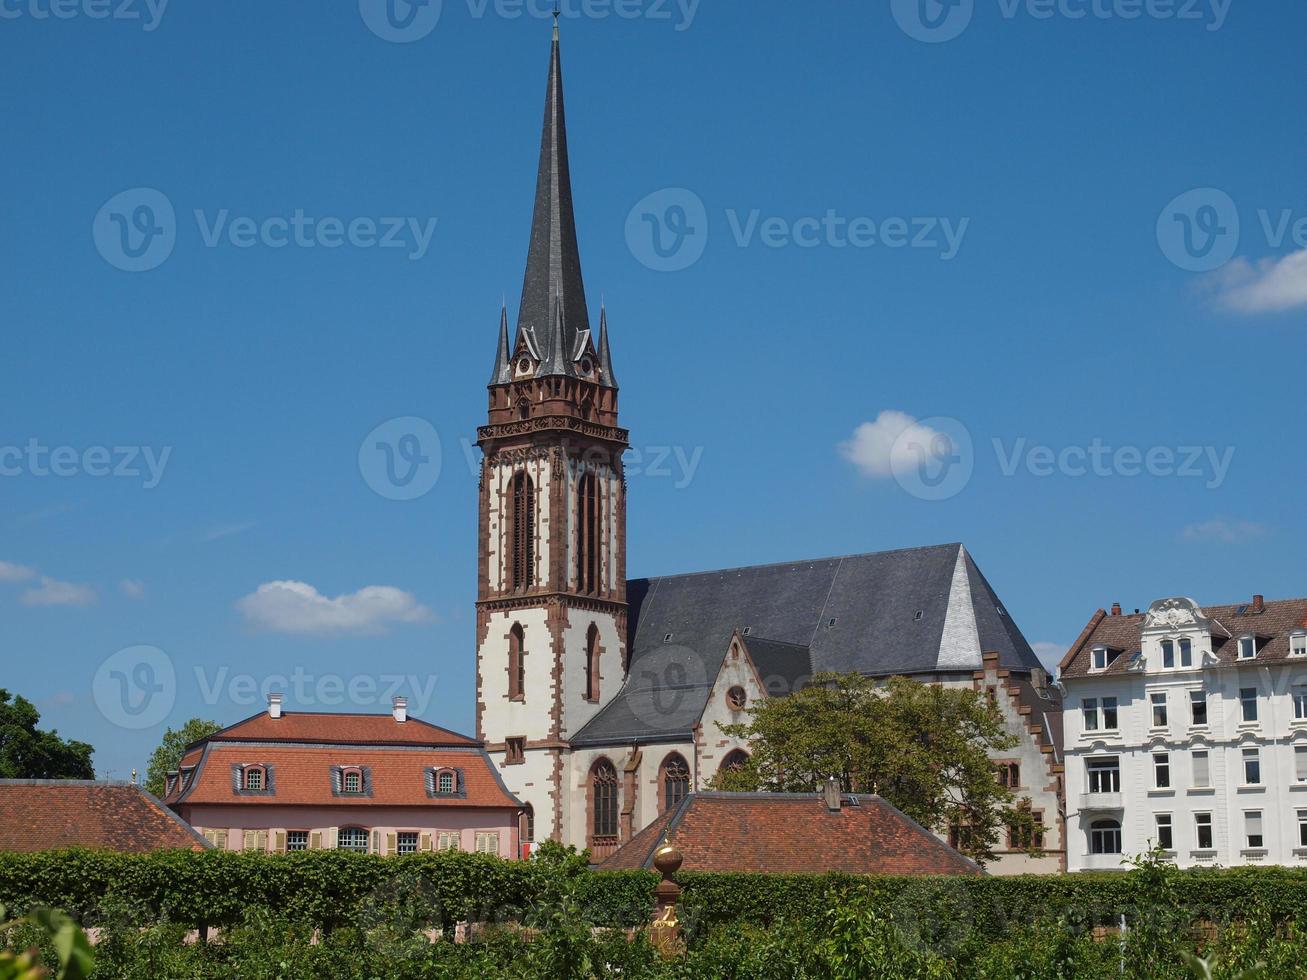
{"x": 40, "y": 815}
{"x": 340, "y": 728}
{"x": 792, "y": 832}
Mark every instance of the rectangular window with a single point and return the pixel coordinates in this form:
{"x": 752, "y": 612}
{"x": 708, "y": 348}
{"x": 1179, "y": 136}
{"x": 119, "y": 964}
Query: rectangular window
{"x": 1248, "y": 703}
{"x": 1158, "y": 699}
{"x": 1247, "y": 648}
{"x": 1161, "y": 770}
{"x": 1186, "y": 653}
{"x": 1008, "y": 774}
{"x": 297, "y": 840}
{"x": 1168, "y": 654}
{"x": 406, "y": 842}
{"x": 1298, "y": 645}
{"x": 1203, "y": 827}
{"x": 1300, "y": 763}
{"x": 1300, "y": 703}
{"x": 515, "y": 751}
{"x": 1202, "y": 770}
{"x": 1089, "y": 706}
{"x": 1104, "y": 774}
{"x": 254, "y": 779}
{"x": 1165, "y": 839}
{"x": 1100, "y": 658}
{"x": 487, "y": 843}
{"x": 1302, "y": 828}
{"x": 1198, "y": 707}
{"x": 449, "y": 840}
{"x": 1109, "y": 714}
{"x": 1252, "y": 767}
{"x": 1252, "y": 826}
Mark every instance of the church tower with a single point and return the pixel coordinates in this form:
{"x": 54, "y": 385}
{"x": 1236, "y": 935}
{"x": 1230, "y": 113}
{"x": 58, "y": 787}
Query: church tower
{"x": 551, "y": 581}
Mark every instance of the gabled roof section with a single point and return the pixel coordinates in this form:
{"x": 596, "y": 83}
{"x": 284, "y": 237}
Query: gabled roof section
{"x": 553, "y": 310}
{"x": 42, "y": 815}
{"x": 793, "y": 833}
{"x": 782, "y": 667}
{"x": 338, "y": 728}
{"x": 877, "y": 614}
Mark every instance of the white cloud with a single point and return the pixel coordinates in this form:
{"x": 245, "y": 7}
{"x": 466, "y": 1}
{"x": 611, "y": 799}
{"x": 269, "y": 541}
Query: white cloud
{"x": 52, "y": 592}
{"x": 296, "y": 607}
{"x": 9, "y": 572}
{"x": 892, "y": 443}
{"x": 1268, "y": 286}
{"x": 1050, "y": 654}
{"x": 132, "y": 588}
{"x": 225, "y": 531}
{"x": 1228, "y": 532}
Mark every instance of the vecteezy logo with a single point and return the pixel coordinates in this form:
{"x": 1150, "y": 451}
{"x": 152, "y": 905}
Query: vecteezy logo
{"x": 668, "y": 230}
{"x": 933, "y": 458}
{"x": 136, "y": 687}
{"x": 663, "y": 682}
{"x": 400, "y": 459}
{"x": 136, "y": 230}
{"x": 1199, "y": 230}
{"x": 400, "y": 21}
{"x": 933, "y": 21}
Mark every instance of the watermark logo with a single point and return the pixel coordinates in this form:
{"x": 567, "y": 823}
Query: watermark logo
{"x": 148, "y": 13}
{"x": 401, "y": 21}
{"x": 668, "y": 230}
{"x": 933, "y": 21}
{"x": 136, "y": 230}
{"x": 1199, "y": 230}
{"x": 663, "y": 684}
{"x": 36, "y": 459}
{"x": 401, "y": 459}
{"x": 136, "y": 687}
{"x": 933, "y": 459}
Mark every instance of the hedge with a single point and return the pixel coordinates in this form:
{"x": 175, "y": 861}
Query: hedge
{"x": 332, "y": 888}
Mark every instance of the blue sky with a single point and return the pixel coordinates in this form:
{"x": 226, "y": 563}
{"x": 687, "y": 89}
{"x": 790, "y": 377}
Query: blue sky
{"x": 802, "y": 354}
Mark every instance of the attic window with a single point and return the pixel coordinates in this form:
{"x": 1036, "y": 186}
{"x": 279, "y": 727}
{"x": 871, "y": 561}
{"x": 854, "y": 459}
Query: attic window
{"x": 1298, "y": 644}
{"x": 1000, "y": 610}
{"x": 830, "y": 625}
{"x": 1247, "y": 648}
{"x": 917, "y": 617}
{"x": 667, "y": 637}
{"x": 746, "y": 631}
{"x": 254, "y": 778}
{"x": 1101, "y": 659}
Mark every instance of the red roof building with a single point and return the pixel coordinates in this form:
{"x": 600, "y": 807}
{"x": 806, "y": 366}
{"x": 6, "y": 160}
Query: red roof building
{"x": 379, "y": 784}
{"x": 48, "y": 814}
{"x": 793, "y": 832}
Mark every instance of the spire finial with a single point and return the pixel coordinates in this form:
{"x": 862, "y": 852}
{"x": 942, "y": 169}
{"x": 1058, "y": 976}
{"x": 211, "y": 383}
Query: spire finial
{"x": 557, "y": 13}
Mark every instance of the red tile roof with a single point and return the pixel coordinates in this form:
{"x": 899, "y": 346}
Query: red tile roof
{"x": 339, "y": 728}
{"x": 302, "y": 774}
{"x": 1123, "y": 633}
{"x": 792, "y": 832}
{"x": 42, "y": 815}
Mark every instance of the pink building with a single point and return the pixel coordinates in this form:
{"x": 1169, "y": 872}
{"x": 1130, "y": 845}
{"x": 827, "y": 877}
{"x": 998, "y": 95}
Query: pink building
{"x": 376, "y": 784}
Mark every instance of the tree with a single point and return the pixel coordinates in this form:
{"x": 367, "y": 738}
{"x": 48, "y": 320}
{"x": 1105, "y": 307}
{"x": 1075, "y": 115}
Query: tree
{"x": 168, "y": 756}
{"x": 923, "y": 747}
{"x": 26, "y": 753}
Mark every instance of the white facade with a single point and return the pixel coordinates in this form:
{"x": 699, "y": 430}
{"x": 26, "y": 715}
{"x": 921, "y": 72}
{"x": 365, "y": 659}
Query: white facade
{"x": 1194, "y": 737}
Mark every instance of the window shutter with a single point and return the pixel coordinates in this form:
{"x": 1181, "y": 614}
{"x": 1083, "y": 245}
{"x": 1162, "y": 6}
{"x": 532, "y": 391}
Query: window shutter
{"x": 333, "y": 838}
{"x": 424, "y": 842}
{"x": 220, "y": 839}
{"x": 1300, "y": 763}
{"x": 262, "y": 840}
{"x": 237, "y": 775}
{"x": 315, "y": 841}
{"x": 376, "y": 842}
{"x": 279, "y": 841}
{"x": 392, "y": 843}
{"x": 430, "y": 775}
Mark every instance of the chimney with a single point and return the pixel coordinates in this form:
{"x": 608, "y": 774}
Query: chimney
{"x": 274, "y": 705}
{"x": 1259, "y": 603}
{"x": 1116, "y": 609}
{"x": 831, "y": 795}
{"x": 400, "y": 710}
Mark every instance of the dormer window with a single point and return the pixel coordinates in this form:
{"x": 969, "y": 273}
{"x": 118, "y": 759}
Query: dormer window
{"x": 352, "y": 782}
{"x": 1247, "y": 648}
{"x": 1298, "y": 644}
{"x": 1100, "y": 658}
{"x": 446, "y": 782}
{"x": 254, "y": 778}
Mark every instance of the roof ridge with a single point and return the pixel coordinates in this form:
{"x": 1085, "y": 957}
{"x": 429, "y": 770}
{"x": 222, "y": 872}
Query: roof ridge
{"x": 801, "y": 561}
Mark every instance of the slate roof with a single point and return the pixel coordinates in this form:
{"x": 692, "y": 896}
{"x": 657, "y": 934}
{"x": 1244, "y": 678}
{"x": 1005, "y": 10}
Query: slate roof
{"x": 1272, "y": 627}
{"x": 916, "y": 611}
{"x": 792, "y": 833}
{"x": 41, "y": 815}
{"x": 783, "y": 667}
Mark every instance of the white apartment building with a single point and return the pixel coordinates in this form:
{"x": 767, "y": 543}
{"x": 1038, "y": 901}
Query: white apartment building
{"x": 1187, "y": 728}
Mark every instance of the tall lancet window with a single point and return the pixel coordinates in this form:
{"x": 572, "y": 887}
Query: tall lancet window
{"x": 516, "y": 663}
{"x": 592, "y": 663}
{"x": 524, "y": 530}
{"x": 589, "y": 534}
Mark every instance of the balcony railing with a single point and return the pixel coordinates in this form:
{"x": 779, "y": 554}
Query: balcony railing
{"x": 1101, "y": 801}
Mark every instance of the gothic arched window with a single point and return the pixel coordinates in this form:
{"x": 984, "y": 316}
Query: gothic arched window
{"x": 674, "y": 781}
{"x": 516, "y": 662}
{"x": 592, "y": 663}
{"x": 589, "y": 536}
{"x": 603, "y": 800}
{"x": 735, "y": 760}
{"x": 524, "y": 521}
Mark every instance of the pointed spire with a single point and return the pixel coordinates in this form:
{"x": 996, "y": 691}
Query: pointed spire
{"x": 606, "y": 376}
{"x": 503, "y": 372}
{"x": 553, "y": 265}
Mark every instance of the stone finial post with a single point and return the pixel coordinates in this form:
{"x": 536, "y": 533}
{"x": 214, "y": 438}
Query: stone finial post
{"x": 666, "y": 930}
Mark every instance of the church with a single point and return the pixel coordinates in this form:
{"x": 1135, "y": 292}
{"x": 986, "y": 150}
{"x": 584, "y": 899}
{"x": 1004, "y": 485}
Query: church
{"x": 599, "y": 697}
